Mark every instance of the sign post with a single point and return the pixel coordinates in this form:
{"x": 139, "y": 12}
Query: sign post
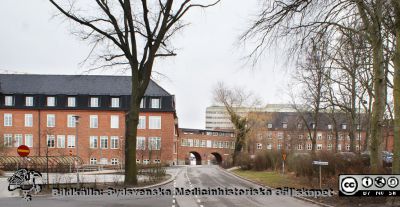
{"x": 283, "y": 162}
{"x": 320, "y": 163}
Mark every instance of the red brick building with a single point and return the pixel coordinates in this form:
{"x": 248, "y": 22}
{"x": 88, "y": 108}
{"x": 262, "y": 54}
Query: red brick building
{"x": 60, "y": 114}
{"x": 205, "y": 146}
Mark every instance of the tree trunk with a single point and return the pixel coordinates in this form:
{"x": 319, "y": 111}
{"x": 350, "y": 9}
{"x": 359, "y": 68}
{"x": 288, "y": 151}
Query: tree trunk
{"x": 396, "y": 92}
{"x": 132, "y": 121}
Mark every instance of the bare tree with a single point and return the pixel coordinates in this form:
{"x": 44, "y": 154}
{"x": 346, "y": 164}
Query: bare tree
{"x": 132, "y": 34}
{"x": 233, "y": 99}
{"x": 300, "y": 21}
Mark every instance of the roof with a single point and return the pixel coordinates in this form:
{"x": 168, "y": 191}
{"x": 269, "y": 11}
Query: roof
{"x": 72, "y": 84}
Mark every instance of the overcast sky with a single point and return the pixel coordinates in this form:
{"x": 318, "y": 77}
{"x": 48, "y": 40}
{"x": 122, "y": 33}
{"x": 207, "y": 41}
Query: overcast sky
{"x": 32, "y": 41}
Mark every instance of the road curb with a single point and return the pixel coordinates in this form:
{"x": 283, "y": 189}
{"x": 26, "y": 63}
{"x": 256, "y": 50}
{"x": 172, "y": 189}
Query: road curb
{"x": 265, "y": 186}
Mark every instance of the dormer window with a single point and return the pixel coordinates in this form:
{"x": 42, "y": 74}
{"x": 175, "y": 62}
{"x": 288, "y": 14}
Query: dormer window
{"x": 313, "y": 125}
{"x": 269, "y": 125}
{"x": 71, "y": 102}
{"x": 115, "y": 102}
{"x": 8, "y": 100}
{"x": 94, "y": 102}
{"x": 142, "y": 104}
{"x": 155, "y": 103}
{"x": 344, "y": 126}
{"x": 29, "y": 101}
{"x": 299, "y": 126}
{"x": 51, "y": 101}
{"x": 329, "y": 126}
{"x": 284, "y": 125}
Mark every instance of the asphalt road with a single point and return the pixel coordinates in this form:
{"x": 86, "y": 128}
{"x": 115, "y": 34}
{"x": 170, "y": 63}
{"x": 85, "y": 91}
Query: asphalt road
{"x": 189, "y": 177}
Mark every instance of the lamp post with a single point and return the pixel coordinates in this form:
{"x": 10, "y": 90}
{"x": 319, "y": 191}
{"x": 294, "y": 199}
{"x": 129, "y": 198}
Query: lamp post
{"x": 359, "y": 123}
{"x": 77, "y": 148}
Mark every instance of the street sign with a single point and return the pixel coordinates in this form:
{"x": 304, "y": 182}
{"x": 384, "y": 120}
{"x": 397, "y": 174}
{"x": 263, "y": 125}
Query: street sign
{"x": 319, "y": 163}
{"x": 23, "y": 150}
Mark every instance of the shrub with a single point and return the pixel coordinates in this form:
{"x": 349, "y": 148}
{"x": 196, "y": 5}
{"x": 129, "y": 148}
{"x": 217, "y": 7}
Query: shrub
{"x": 244, "y": 161}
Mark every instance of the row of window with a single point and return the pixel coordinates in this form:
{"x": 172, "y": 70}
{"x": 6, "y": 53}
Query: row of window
{"x": 18, "y": 140}
{"x": 280, "y": 135}
{"x": 154, "y": 143}
{"x": 147, "y": 161}
{"x": 52, "y": 142}
{"x": 312, "y": 125}
{"x": 103, "y": 161}
{"x": 94, "y": 102}
{"x": 307, "y": 147}
{"x": 154, "y": 121}
{"x": 207, "y": 143}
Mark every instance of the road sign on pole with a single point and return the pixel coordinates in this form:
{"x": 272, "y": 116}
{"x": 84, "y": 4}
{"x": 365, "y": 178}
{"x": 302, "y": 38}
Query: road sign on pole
{"x": 320, "y": 163}
{"x": 23, "y": 150}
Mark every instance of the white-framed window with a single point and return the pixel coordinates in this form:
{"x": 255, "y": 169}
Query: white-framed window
{"x": 8, "y": 100}
{"x": 51, "y": 142}
{"x": 29, "y": 101}
{"x": 232, "y": 145}
{"x": 51, "y": 101}
{"x": 269, "y": 125}
{"x": 93, "y": 161}
{"x": 114, "y": 161}
{"x": 115, "y": 102}
{"x": 137, "y": 161}
{"x": 319, "y": 136}
{"x": 114, "y": 142}
{"x": 340, "y": 136}
{"x": 299, "y": 147}
{"x": 141, "y": 143}
{"x": 269, "y": 146}
{"x": 51, "y": 120}
{"x": 319, "y": 146}
{"x": 196, "y": 143}
{"x": 7, "y": 119}
{"x": 190, "y": 142}
{"x": 154, "y": 143}
{"x": 269, "y": 135}
{"x": 344, "y": 126}
{"x": 347, "y": 147}
{"x": 94, "y": 121}
{"x": 29, "y": 140}
{"x": 93, "y": 142}
{"x": 71, "y": 122}
{"x": 18, "y": 140}
{"x": 146, "y": 161}
{"x": 357, "y": 147}
{"x": 203, "y": 143}
{"x": 309, "y": 146}
{"x": 142, "y": 103}
{"x": 103, "y": 142}
{"x": 358, "y": 127}
{"x": 329, "y": 147}
{"x": 114, "y": 121}
{"x": 60, "y": 141}
{"x": 300, "y": 136}
{"x": 329, "y": 126}
{"x": 284, "y": 125}
{"x": 259, "y": 146}
{"x": 154, "y": 122}
{"x": 329, "y": 136}
{"x": 358, "y": 136}
{"x": 71, "y": 102}
{"x": 280, "y": 135}
{"x": 339, "y": 147}
{"x": 71, "y": 141}
{"x": 8, "y": 140}
{"x": 279, "y": 146}
{"x": 28, "y": 120}
{"x": 155, "y": 103}
{"x": 94, "y": 102}
{"x": 103, "y": 161}
{"x": 157, "y": 161}
{"x": 142, "y": 122}
{"x": 348, "y": 137}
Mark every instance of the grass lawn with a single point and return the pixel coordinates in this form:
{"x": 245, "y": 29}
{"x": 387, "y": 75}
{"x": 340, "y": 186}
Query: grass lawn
{"x": 271, "y": 178}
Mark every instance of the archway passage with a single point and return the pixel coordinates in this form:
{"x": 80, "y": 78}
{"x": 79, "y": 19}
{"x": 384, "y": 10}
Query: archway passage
{"x": 195, "y": 158}
{"x": 217, "y": 158}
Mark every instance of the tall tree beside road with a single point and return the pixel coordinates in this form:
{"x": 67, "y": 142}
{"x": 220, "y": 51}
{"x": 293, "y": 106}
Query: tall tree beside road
{"x": 130, "y": 35}
{"x": 233, "y": 99}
